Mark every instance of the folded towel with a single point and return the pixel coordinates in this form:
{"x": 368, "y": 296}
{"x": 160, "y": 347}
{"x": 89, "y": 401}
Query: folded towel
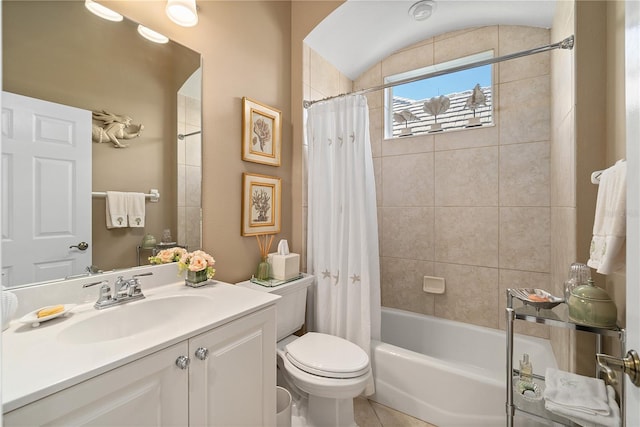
{"x": 607, "y": 252}
{"x": 587, "y": 420}
{"x": 135, "y": 209}
{"x": 575, "y": 392}
{"x": 116, "y": 209}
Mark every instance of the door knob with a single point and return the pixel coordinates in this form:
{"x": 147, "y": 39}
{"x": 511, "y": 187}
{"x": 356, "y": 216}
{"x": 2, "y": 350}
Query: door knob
{"x": 202, "y": 353}
{"x": 182, "y": 362}
{"x": 82, "y": 246}
{"x": 629, "y": 365}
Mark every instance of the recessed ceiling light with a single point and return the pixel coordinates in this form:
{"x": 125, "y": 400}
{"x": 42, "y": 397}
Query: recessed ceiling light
{"x": 152, "y": 35}
{"x": 422, "y": 10}
{"x": 102, "y": 12}
{"x": 182, "y": 12}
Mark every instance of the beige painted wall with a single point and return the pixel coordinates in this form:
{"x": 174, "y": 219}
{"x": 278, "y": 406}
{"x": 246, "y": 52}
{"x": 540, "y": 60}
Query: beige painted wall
{"x": 58, "y": 51}
{"x": 246, "y": 50}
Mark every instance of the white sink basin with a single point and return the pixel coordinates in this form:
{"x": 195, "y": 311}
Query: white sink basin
{"x": 133, "y": 318}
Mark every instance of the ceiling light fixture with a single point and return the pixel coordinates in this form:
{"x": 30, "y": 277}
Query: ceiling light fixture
{"x": 182, "y": 12}
{"x": 102, "y": 12}
{"x": 152, "y": 35}
{"x": 422, "y": 10}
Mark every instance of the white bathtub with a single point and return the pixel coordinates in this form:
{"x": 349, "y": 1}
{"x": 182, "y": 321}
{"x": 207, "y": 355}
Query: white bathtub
{"x": 447, "y": 373}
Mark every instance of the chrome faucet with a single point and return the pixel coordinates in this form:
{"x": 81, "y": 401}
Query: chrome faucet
{"x": 124, "y": 291}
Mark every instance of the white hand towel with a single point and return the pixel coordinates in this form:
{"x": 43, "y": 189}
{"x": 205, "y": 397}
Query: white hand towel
{"x": 586, "y": 420}
{"x": 575, "y": 393}
{"x": 607, "y": 252}
{"x": 135, "y": 209}
{"x": 116, "y": 209}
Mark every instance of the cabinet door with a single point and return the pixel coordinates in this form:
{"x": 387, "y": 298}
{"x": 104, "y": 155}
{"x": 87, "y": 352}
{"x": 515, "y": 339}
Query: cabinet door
{"x": 151, "y": 391}
{"x": 235, "y": 384}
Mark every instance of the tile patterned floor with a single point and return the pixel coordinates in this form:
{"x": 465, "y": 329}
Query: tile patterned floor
{"x": 372, "y": 414}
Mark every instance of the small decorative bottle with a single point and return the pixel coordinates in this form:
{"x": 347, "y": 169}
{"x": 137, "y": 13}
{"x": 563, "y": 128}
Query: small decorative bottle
{"x": 263, "y": 271}
{"x": 526, "y": 370}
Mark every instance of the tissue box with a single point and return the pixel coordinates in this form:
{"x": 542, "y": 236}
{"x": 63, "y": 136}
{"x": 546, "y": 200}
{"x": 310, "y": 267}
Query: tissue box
{"x": 284, "y": 267}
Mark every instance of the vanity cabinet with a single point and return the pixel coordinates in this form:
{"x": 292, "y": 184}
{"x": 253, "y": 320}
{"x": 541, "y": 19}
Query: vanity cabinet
{"x": 147, "y": 392}
{"x": 232, "y": 375}
{"x": 224, "y": 376}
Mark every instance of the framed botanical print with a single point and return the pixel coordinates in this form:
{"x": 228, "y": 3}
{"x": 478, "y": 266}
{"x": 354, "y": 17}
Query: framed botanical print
{"x": 261, "y": 133}
{"x": 261, "y": 203}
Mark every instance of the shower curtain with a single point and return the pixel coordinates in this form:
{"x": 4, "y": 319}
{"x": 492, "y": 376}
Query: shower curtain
{"x": 342, "y": 237}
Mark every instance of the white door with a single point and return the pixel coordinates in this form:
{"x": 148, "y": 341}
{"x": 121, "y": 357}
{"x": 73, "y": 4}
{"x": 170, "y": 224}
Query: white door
{"x": 46, "y": 190}
{"x": 632, "y": 46}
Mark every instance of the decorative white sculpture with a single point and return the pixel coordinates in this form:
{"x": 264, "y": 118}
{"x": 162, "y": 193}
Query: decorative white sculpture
{"x": 109, "y": 127}
{"x": 405, "y": 116}
{"x": 476, "y": 99}
{"x": 434, "y": 106}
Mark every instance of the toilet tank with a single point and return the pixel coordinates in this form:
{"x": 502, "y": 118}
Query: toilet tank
{"x": 292, "y": 305}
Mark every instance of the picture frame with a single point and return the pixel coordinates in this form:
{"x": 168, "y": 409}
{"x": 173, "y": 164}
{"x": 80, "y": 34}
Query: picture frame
{"x": 261, "y": 204}
{"x": 261, "y": 133}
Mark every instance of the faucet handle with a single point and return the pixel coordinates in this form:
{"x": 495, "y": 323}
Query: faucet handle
{"x": 105, "y": 293}
{"x": 134, "y": 287}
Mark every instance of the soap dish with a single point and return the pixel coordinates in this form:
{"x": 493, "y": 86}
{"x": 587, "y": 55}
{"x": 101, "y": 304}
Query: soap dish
{"x": 33, "y": 319}
{"x": 537, "y": 298}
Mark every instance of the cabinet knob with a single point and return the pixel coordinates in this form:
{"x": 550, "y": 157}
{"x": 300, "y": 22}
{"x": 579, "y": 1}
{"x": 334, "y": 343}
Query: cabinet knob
{"x": 202, "y": 353}
{"x": 182, "y": 362}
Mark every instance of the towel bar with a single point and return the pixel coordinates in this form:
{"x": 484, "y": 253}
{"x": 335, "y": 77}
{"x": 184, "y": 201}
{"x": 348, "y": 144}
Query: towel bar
{"x": 153, "y": 196}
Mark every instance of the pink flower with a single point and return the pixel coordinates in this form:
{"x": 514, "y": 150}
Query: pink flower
{"x": 197, "y": 263}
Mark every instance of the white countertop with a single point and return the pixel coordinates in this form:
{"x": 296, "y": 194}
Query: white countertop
{"x": 36, "y": 363}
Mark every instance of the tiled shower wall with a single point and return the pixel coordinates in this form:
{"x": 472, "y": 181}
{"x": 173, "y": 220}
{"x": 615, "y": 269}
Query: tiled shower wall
{"x": 470, "y": 206}
{"x": 189, "y": 172}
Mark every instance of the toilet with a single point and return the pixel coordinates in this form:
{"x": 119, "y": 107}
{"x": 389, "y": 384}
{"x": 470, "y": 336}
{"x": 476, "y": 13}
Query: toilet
{"x": 323, "y": 372}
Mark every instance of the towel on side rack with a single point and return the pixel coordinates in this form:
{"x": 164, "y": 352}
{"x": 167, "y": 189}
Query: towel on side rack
{"x": 576, "y": 393}
{"x": 116, "y": 209}
{"x": 612, "y": 419}
{"x": 135, "y": 209}
{"x": 607, "y": 254}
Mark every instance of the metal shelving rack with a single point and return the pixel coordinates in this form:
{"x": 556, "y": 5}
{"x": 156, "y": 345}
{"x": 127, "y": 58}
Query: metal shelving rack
{"x": 556, "y": 317}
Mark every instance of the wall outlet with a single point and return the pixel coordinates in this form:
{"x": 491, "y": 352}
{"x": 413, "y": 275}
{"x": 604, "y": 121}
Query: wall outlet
{"x": 433, "y": 285}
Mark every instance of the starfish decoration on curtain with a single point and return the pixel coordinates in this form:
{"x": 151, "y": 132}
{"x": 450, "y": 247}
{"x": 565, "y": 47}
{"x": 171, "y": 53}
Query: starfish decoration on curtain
{"x": 330, "y": 141}
{"x": 326, "y": 274}
{"x": 340, "y": 140}
{"x": 337, "y": 277}
{"x": 355, "y": 278}
{"x": 352, "y": 137}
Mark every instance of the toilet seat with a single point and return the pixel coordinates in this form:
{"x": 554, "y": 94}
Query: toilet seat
{"x": 327, "y": 356}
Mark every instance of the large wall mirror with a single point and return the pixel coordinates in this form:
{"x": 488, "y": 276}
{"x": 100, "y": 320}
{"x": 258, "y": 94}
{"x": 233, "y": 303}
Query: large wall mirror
{"x": 59, "y": 52}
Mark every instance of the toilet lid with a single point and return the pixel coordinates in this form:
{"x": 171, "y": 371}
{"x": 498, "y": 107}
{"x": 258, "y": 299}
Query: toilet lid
{"x": 327, "y": 356}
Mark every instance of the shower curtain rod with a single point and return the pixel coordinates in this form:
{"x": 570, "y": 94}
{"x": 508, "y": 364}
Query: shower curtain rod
{"x": 564, "y": 44}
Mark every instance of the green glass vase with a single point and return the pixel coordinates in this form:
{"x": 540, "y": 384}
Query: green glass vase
{"x": 196, "y": 279}
{"x": 263, "y": 271}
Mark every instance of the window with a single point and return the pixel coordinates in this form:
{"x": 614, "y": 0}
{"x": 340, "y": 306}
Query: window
{"x": 456, "y": 100}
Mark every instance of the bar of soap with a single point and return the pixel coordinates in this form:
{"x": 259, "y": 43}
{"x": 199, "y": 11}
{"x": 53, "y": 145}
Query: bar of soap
{"x": 50, "y": 311}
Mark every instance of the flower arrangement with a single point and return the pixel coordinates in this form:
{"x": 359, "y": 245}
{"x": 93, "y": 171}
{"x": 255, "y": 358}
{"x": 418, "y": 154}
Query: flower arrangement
{"x": 169, "y": 255}
{"x": 197, "y": 261}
